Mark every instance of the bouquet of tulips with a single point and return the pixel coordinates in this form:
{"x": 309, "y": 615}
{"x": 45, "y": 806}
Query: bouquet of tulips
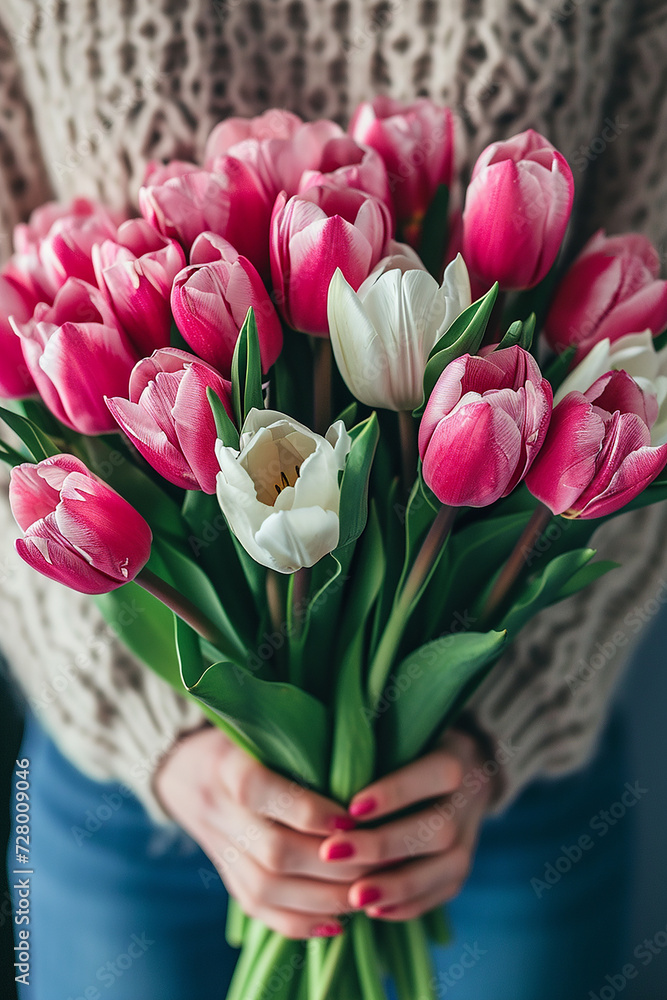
{"x": 308, "y": 408}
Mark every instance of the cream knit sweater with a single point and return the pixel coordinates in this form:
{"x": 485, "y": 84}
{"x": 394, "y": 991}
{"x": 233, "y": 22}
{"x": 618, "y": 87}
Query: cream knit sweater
{"x": 90, "y": 90}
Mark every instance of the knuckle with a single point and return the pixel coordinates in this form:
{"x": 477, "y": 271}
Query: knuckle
{"x": 460, "y": 863}
{"x": 274, "y": 851}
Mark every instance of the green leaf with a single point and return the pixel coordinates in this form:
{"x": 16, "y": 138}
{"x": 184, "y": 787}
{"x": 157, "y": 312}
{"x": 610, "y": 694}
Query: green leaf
{"x": 425, "y": 687}
{"x": 10, "y": 455}
{"x": 585, "y": 576}
{"x": 224, "y": 426}
{"x": 544, "y": 588}
{"x": 146, "y": 627}
{"x": 349, "y": 415}
{"x": 521, "y": 333}
{"x": 463, "y": 337}
{"x": 285, "y": 727}
{"x": 189, "y": 579}
{"x": 39, "y": 444}
{"x": 559, "y": 368}
{"x": 433, "y": 242}
{"x": 247, "y": 371}
{"x": 353, "y": 754}
{"x": 354, "y": 483}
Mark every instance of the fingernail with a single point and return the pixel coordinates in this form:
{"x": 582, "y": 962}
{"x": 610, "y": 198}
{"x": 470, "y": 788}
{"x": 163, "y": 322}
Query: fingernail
{"x": 379, "y": 911}
{"x": 337, "y": 851}
{"x": 343, "y": 823}
{"x": 362, "y": 807}
{"x": 326, "y": 930}
{"x": 368, "y": 896}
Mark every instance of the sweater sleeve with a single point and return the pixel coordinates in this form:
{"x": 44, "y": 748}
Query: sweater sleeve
{"x": 109, "y": 714}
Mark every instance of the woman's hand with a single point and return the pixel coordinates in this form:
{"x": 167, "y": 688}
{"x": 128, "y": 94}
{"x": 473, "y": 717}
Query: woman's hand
{"x": 420, "y": 860}
{"x": 262, "y": 832}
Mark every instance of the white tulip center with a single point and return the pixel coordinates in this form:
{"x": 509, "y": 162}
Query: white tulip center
{"x": 274, "y": 462}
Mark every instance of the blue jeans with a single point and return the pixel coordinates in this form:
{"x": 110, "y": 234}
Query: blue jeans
{"x": 125, "y": 910}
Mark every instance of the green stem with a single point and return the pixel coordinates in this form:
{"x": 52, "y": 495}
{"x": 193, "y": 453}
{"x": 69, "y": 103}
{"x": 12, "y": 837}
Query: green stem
{"x": 335, "y": 952}
{"x": 514, "y": 565}
{"x": 236, "y": 924}
{"x": 367, "y": 960}
{"x": 322, "y": 385}
{"x": 316, "y": 949}
{"x": 423, "y": 982}
{"x": 256, "y": 937}
{"x": 416, "y": 580}
{"x": 273, "y": 600}
{"x": 408, "y": 436}
{"x": 182, "y": 607}
{"x": 398, "y": 959}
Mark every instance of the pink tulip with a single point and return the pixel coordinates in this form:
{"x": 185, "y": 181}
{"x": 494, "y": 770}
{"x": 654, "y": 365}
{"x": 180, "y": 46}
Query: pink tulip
{"x": 273, "y": 124}
{"x": 516, "y": 211}
{"x": 210, "y": 303}
{"x": 168, "y": 418}
{"x": 279, "y": 158}
{"x": 77, "y": 354}
{"x": 16, "y": 382}
{"x": 610, "y": 290}
{"x": 136, "y": 273}
{"x": 345, "y": 163}
{"x": 229, "y": 201}
{"x": 597, "y": 455}
{"x": 416, "y": 142}
{"x": 209, "y": 247}
{"x": 66, "y": 250}
{"x": 78, "y": 531}
{"x": 314, "y": 233}
{"x": 484, "y": 423}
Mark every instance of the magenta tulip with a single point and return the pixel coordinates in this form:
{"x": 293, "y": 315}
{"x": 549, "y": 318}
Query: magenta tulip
{"x": 230, "y": 201}
{"x": 416, "y": 142}
{"x": 16, "y": 382}
{"x": 279, "y": 158}
{"x": 66, "y": 250}
{"x": 516, "y": 211}
{"x": 313, "y": 234}
{"x": 77, "y": 530}
{"x": 345, "y": 163}
{"x": 611, "y": 289}
{"x": 168, "y": 418}
{"x": 210, "y": 303}
{"x": 136, "y": 273}
{"x": 484, "y": 423}
{"x": 77, "y": 354}
{"x": 597, "y": 456}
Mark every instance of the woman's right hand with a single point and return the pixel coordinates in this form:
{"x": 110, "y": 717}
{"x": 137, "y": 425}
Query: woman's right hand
{"x": 261, "y": 831}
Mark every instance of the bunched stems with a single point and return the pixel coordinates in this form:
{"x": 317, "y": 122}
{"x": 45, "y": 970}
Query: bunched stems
{"x": 322, "y": 385}
{"x": 408, "y": 436}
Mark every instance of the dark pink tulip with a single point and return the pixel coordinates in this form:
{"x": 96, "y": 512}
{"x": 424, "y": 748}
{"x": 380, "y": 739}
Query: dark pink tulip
{"x": 278, "y": 158}
{"x": 516, "y": 211}
{"x": 611, "y": 289}
{"x": 16, "y": 382}
{"x": 136, "y": 273}
{"x": 168, "y": 418}
{"x": 77, "y": 354}
{"x": 210, "y": 303}
{"x": 77, "y": 530}
{"x": 597, "y": 456}
{"x": 314, "y": 233}
{"x": 345, "y": 163}
{"x": 484, "y": 423}
{"x": 229, "y": 201}
{"x": 416, "y": 142}
{"x": 209, "y": 247}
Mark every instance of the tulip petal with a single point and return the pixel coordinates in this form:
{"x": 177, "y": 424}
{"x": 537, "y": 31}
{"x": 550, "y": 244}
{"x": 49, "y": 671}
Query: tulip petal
{"x": 290, "y": 539}
{"x": 634, "y": 474}
{"x": 152, "y": 442}
{"x": 54, "y": 560}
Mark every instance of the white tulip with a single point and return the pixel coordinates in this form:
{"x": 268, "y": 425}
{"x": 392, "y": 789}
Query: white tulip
{"x": 280, "y": 492}
{"x": 383, "y": 334}
{"x": 635, "y": 354}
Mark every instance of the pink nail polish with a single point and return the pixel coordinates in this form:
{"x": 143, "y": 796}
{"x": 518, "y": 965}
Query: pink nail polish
{"x": 343, "y": 823}
{"x": 326, "y": 930}
{"x": 362, "y": 807}
{"x": 368, "y": 896}
{"x": 337, "y": 852}
{"x": 380, "y": 911}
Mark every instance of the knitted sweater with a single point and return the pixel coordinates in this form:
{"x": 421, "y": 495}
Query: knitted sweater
{"x": 90, "y": 91}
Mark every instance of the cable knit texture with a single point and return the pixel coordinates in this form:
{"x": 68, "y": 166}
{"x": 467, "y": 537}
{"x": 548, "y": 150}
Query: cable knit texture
{"x": 102, "y": 88}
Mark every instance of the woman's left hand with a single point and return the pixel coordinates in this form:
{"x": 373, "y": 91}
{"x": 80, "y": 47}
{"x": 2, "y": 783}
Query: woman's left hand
{"x": 423, "y": 858}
